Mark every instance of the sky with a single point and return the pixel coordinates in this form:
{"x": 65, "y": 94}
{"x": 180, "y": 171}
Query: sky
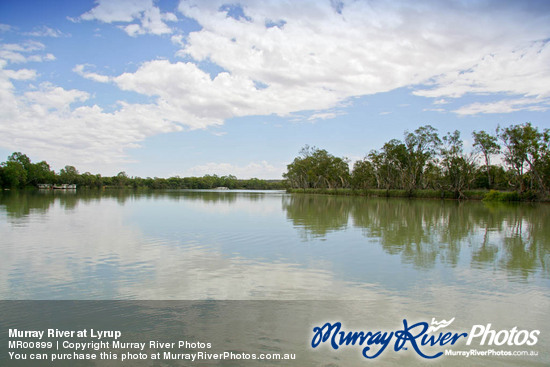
{"x": 193, "y": 87}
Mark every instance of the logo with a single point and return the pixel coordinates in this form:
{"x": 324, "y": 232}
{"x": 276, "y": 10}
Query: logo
{"x": 421, "y": 337}
{"x": 439, "y": 325}
{"x": 503, "y": 337}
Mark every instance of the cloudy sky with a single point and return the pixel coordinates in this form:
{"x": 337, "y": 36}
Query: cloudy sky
{"x": 168, "y": 87}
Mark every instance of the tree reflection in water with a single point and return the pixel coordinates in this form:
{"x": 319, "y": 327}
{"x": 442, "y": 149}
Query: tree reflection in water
{"x": 424, "y": 232}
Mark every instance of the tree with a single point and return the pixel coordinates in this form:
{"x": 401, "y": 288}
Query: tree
{"x": 458, "y": 168}
{"x": 390, "y": 164}
{"x": 21, "y": 159}
{"x": 421, "y": 148}
{"x": 433, "y": 176}
{"x": 121, "y": 179}
{"x": 544, "y": 162}
{"x": 89, "y": 180}
{"x": 16, "y": 170}
{"x": 40, "y": 173}
{"x": 229, "y": 181}
{"x": 209, "y": 181}
{"x": 298, "y": 172}
{"x": 14, "y": 174}
{"x": 486, "y": 145}
{"x": 363, "y": 175}
{"x": 69, "y": 175}
{"x": 527, "y": 153}
{"x": 23, "y": 172}
{"x": 316, "y": 168}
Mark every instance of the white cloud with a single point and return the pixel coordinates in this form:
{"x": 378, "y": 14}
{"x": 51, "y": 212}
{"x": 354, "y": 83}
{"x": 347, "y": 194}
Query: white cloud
{"x": 40, "y": 58}
{"x": 178, "y": 39}
{"x": 505, "y": 106}
{"x": 28, "y": 46}
{"x": 262, "y": 170}
{"x": 280, "y": 58}
{"x": 323, "y": 116}
{"x": 49, "y": 97}
{"x": 54, "y": 122}
{"x": 434, "y": 110}
{"x": 191, "y": 97}
{"x": 520, "y": 71}
{"x": 149, "y": 18}
{"x": 369, "y": 48}
{"x": 79, "y": 69}
{"x": 45, "y": 31}
{"x": 324, "y": 54}
{"x": 24, "y": 52}
{"x": 21, "y": 74}
{"x": 117, "y": 11}
{"x": 318, "y": 56}
{"x": 5, "y": 27}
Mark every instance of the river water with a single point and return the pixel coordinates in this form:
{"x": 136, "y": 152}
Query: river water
{"x": 378, "y": 259}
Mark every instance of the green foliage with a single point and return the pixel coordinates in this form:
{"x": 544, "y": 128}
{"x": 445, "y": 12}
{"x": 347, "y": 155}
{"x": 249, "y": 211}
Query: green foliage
{"x": 424, "y": 162}
{"x": 69, "y": 175}
{"x": 501, "y": 196}
{"x": 527, "y": 153}
{"x": 402, "y": 165}
{"x": 421, "y": 149}
{"x": 316, "y": 168}
{"x": 363, "y": 175}
{"x": 89, "y": 180}
{"x": 14, "y": 174}
{"x": 422, "y": 165}
{"x": 18, "y": 172}
{"x": 38, "y": 173}
{"x": 486, "y": 145}
{"x": 390, "y": 164}
{"x": 457, "y": 168}
{"x": 394, "y": 193}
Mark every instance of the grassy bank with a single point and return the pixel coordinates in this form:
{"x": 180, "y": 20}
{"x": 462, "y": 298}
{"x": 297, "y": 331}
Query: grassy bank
{"x": 492, "y": 195}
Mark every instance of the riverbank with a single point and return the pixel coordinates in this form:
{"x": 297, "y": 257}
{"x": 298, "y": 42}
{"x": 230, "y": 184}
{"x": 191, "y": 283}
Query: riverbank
{"x": 485, "y": 195}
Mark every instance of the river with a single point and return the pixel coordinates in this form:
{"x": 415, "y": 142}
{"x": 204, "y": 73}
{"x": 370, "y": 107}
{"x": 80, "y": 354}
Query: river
{"x": 385, "y": 259}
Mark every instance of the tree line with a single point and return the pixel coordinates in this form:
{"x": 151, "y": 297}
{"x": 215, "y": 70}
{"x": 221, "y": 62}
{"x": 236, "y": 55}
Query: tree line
{"x": 423, "y": 160}
{"x": 19, "y": 172}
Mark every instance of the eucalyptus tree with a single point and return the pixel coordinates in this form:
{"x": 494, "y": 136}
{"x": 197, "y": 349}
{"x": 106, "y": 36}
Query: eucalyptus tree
{"x": 121, "y": 179}
{"x": 544, "y": 165}
{"x": 328, "y": 171}
{"x": 527, "y": 153}
{"x": 90, "y": 180}
{"x": 298, "y": 173}
{"x": 16, "y": 170}
{"x": 486, "y": 145}
{"x": 390, "y": 164}
{"x": 336, "y": 172}
{"x": 13, "y": 174}
{"x": 363, "y": 175}
{"x": 458, "y": 168}
{"x": 19, "y": 171}
{"x": 316, "y": 168}
{"x": 421, "y": 149}
{"x": 376, "y": 160}
{"x": 40, "y": 173}
{"x": 69, "y": 175}
{"x": 402, "y": 164}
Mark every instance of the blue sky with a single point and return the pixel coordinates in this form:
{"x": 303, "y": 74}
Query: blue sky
{"x": 165, "y": 88}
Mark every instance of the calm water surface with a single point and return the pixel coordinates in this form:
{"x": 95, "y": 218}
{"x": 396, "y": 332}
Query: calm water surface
{"x": 481, "y": 263}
